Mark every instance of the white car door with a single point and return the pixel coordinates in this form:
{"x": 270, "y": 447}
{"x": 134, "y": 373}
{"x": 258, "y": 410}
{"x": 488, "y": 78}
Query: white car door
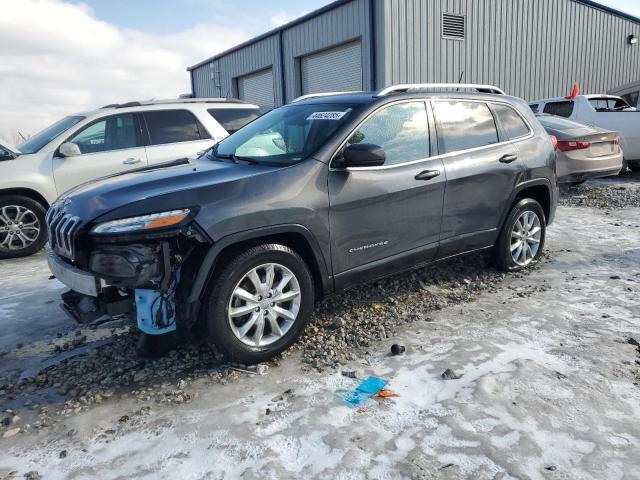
{"x": 108, "y": 145}
{"x": 173, "y": 134}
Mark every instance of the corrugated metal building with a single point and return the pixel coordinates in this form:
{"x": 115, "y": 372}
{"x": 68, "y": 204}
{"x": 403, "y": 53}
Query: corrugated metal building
{"x": 529, "y": 48}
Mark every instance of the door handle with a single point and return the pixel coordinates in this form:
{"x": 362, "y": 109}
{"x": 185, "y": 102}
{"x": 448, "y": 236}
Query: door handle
{"x": 508, "y": 158}
{"x": 427, "y": 175}
{"x": 131, "y": 161}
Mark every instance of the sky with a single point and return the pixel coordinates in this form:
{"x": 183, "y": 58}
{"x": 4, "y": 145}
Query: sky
{"x": 59, "y": 57}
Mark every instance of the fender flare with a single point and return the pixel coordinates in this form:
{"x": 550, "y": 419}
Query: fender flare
{"x": 210, "y": 258}
{"x": 523, "y": 186}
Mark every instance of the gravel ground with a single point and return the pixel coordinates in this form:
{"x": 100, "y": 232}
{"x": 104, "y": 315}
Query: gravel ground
{"x": 78, "y": 370}
{"x": 609, "y": 193}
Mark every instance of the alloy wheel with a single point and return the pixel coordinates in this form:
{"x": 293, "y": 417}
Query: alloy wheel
{"x": 525, "y": 238}
{"x": 19, "y": 228}
{"x": 264, "y": 305}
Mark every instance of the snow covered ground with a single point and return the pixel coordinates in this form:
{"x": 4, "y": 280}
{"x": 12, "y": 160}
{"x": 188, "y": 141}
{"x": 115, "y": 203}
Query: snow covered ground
{"x": 549, "y": 387}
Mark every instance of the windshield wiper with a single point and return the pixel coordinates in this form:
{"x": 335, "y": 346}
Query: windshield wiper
{"x": 236, "y": 158}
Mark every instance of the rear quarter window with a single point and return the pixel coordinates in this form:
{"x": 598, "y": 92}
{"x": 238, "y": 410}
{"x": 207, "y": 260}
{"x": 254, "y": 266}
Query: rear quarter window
{"x": 233, "y": 119}
{"x": 512, "y": 123}
{"x": 464, "y": 125}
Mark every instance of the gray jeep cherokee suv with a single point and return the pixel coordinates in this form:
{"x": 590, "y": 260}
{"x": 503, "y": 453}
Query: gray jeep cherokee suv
{"x": 307, "y": 200}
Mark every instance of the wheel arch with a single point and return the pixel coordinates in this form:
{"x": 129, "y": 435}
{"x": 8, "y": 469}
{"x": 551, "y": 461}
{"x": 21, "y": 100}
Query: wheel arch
{"x": 25, "y": 192}
{"x": 539, "y": 190}
{"x": 296, "y": 237}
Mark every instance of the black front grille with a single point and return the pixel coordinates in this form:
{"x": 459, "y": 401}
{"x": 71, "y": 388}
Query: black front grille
{"x": 62, "y": 228}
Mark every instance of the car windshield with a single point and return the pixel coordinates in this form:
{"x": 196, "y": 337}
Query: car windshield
{"x": 39, "y": 140}
{"x": 559, "y": 123}
{"x": 285, "y": 135}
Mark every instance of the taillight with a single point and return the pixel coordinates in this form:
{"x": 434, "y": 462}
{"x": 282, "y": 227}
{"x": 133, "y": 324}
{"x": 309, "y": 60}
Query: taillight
{"x": 567, "y": 146}
{"x": 616, "y": 140}
{"x": 554, "y": 141}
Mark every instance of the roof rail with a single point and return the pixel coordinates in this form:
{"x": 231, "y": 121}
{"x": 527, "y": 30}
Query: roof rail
{"x": 323, "y": 94}
{"x": 173, "y": 100}
{"x": 405, "y": 87}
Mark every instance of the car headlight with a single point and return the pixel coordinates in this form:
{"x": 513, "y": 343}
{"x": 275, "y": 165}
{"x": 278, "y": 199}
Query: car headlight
{"x": 143, "y": 222}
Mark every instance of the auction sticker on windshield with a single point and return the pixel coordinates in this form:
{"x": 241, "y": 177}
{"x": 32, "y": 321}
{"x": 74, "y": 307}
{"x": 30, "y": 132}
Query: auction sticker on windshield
{"x": 326, "y": 115}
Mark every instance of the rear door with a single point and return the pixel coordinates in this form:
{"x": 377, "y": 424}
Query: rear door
{"x": 174, "y": 134}
{"x": 482, "y": 169}
{"x": 108, "y": 145}
{"x": 377, "y": 213}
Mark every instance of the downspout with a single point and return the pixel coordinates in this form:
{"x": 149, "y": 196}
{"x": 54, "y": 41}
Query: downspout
{"x": 282, "y": 75}
{"x": 372, "y": 41}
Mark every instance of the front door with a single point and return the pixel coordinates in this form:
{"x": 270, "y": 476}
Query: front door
{"x": 392, "y": 212}
{"x": 109, "y": 145}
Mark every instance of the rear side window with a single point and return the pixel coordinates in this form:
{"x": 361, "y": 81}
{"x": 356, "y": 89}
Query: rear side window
{"x": 173, "y": 126}
{"x": 562, "y": 109}
{"x": 608, "y": 104}
{"x": 233, "y": 119}
{"x": 512, "y": 123}
{"x": 402, "y": 130}
{"x": 464, "y": 125}
{"x": 111, "y": 133}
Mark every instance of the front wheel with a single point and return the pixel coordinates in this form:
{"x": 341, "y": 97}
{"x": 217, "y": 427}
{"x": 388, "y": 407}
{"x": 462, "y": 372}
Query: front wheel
{"x": 22, "y": 226}
{"x": 259, "y": 303}
{"x": 521, "y": 241}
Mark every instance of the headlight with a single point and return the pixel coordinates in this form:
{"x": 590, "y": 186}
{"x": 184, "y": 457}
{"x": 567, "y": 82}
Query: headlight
{"x": 144, "y": 222}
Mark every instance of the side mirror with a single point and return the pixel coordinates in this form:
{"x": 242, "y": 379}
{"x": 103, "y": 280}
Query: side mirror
{"x": 363, "y": 155}
{"x": 68, "y": 149}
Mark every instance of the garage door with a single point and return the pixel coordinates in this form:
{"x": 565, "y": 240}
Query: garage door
{"x": 257, "y": 88}
{"x": 335, "y": 70}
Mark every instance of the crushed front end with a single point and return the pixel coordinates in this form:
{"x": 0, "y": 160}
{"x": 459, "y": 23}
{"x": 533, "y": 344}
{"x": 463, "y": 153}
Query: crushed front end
{"x": 133, "y": 266}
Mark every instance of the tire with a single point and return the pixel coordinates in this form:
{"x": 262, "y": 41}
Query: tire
{"x": 239, "y": 342}
{"x": 21, "y": 242}
{"x": 634, "y": 166}
{"x": 524, "y": 211}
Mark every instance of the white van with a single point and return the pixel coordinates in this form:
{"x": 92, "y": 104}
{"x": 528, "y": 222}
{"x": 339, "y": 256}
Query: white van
{"x": 608, "y": 112}
{"x": 107, "y": 141}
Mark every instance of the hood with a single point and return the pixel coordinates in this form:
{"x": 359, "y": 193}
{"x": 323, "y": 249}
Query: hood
{"x": 148, "y": 190}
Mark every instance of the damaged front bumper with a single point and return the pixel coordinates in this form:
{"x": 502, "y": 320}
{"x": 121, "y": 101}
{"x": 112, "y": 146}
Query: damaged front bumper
{"x": 139, "y": 280}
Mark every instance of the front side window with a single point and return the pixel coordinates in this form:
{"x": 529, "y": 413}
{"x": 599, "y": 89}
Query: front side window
{"x": 401, "y": 130}
{"x": 464, "y": 125}
{"x": 287, "y": 134}
{"x": 512, "y": 123}
{"x": 35, "y": 143}
{"x": 233, "y": 119}
{"x": 111, "y": 133}
{"x": 562, "y": 109}
{"x": 173, "y": 126}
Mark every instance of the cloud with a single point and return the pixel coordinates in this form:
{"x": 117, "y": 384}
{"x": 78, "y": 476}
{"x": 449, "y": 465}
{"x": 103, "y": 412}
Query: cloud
{"x": 58, "y": 58}
{"x": 281, "y": 17}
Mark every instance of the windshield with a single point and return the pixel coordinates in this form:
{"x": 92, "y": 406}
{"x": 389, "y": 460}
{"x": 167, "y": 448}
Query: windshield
{"x": 39, "y": 140}
{"x": 285, "y": 135}
{"x": 559, "y": 123}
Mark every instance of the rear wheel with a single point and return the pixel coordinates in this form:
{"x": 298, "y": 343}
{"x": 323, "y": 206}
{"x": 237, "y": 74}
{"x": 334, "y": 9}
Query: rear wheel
{"x": 22, "y": 226}
{"x": 259, "y": 303}
{"x": 521, "y": 241}
{"x": 634, "y": 166}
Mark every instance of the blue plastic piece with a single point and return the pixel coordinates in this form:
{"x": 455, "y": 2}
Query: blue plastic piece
{"x": 361, "y": 395}
{"x": 148, "y": 302}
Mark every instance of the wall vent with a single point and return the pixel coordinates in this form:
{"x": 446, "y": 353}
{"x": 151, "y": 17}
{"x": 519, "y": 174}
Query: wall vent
{"x": 453, "y": 26}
